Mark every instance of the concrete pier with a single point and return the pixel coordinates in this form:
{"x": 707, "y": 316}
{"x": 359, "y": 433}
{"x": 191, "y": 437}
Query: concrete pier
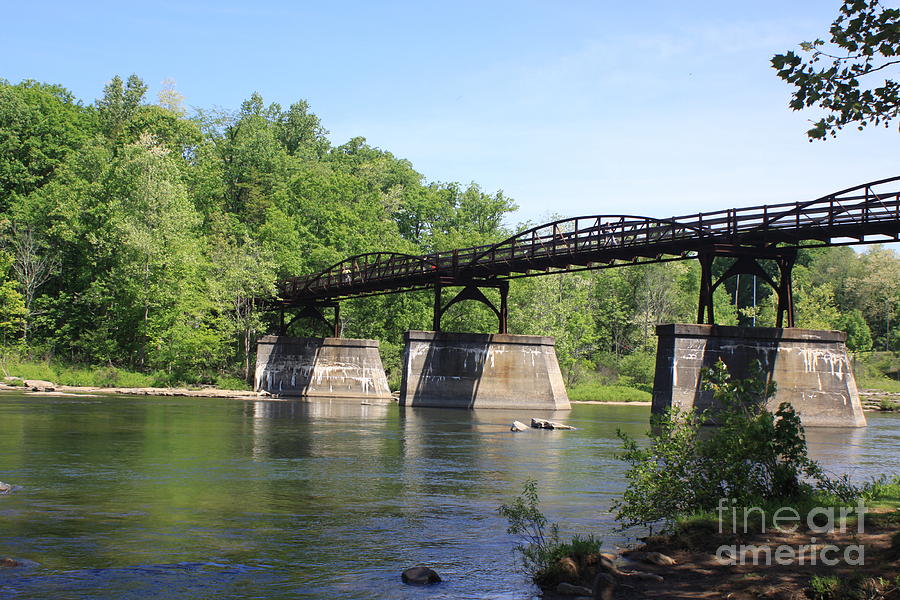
{"x": 468, "y": 370}
{"x": 320, "y": 367}
{"x": 809, "y": 367}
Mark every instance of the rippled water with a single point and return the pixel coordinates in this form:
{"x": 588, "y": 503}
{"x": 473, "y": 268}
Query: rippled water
{"x": 126, "y": 497}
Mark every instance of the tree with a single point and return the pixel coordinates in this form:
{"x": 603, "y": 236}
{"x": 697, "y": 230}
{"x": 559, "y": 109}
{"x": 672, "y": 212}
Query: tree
{"x": 859, "y": 338}
{"x": 32, "y": 265}
{"x": 877, "y": 291}
{"x": 120, "y": 103}
{"x": 843, "y": 77}
{"x": 40, "y": 125}
{"x": 12, "y": 305}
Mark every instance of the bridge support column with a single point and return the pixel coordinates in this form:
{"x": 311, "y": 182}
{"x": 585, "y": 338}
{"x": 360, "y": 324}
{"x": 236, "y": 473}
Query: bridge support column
{"x": 810, "y": 368}
{"x": 320, "y": 367}
{"x": 471, "y": 370}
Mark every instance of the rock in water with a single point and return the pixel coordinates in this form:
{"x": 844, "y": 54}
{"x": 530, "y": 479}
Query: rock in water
{"x": 518, "y": 426}
{"x": 420, "y": 576}
{"x": 39, "y": 385}
{"x": 545, "y": 424}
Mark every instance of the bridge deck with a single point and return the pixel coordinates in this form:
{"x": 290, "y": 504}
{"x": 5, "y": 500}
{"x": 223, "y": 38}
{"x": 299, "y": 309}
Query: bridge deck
{"x": 851, "y": 216}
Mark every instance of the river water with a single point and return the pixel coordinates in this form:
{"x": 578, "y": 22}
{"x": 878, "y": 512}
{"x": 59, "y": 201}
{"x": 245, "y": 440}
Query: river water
{"x": 177, "y": 498}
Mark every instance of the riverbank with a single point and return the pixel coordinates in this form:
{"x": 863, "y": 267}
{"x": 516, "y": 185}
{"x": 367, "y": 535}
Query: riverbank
{"x": 777, "y": 564}
{"x": 46, "y": 388}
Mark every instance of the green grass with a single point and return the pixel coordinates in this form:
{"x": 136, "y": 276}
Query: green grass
{"x": 14, "y": 365}
{"x": 884, "y": 492}
{"x": 884, "y": 384}
{"x": 227, "y": 382}
{"x": 889, "y": 405}
{"x": 102, "y": 377}
{"x": 596, "y": 392}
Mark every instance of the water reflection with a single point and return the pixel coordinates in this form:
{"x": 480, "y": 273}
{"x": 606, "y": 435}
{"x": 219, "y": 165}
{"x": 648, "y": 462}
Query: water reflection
{"x": 124, "y": 497}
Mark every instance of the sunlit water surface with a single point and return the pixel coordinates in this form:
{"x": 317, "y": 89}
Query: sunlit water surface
{"x": 176, "y": 498}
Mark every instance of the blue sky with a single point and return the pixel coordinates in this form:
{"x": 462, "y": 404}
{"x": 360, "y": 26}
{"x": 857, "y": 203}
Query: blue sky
{"x": 654, "y": 108}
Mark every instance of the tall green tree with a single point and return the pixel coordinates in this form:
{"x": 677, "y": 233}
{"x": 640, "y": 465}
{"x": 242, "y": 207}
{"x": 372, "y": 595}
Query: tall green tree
{"x": 40, "y": 125}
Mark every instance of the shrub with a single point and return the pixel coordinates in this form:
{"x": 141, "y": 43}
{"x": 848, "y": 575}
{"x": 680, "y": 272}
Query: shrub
{"x": 753, "y": 456}
{"x": 540, "y": 547}
{"x": 638, "y": 370}
{"x": 853, "y": 587}
{"x": 230, "y": 382}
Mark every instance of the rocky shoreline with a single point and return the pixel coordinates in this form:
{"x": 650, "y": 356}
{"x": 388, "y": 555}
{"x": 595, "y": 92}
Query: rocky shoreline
{"x": 692, "y": 564}
{"x": 45, "y": 388}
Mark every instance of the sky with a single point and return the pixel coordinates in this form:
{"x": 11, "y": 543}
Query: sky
{"x": 653, "y": 108}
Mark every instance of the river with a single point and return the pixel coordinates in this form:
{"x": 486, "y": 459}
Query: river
{"x": 185, "y": 498}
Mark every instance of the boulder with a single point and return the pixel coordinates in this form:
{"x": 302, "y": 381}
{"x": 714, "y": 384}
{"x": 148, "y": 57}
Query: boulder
{"x": 518, "y": 426}
{"x": 39, "y": 385}
{"x": 545, "y": 424}
{"x": 420, "y": 576}
{"x": 567, "y": 589}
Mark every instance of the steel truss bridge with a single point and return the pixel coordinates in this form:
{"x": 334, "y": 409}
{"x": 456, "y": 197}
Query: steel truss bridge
{"x": 865, "y": 214}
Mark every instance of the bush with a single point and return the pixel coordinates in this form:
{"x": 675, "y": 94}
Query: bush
{"x": 638, "y": 370}
{"x": 753, "y": 456}
{"x": 230, "y": 382}
{"x": 540, "y": 547}
{"x": 852, "y": 587}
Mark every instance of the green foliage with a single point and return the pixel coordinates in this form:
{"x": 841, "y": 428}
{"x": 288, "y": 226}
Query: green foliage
{"x": 12, "y": 304}
{"x": 853, "y": 587}
{"x": 229, "y": 382}
{"x": 104, "y": 377}
{"x": 638, "y": 370}
{"x": 539, "y": 545}
{"x": 865, "y": 39}
{"x": 14, "y": 365}
{"x": 156, "y": 233}
{"x": 859, "y": 337}
{"x": 884, "y": 490}
{"x": 878, "y": 370}
{"x": 751, "y": 456}
{"x": 596, "y": 392}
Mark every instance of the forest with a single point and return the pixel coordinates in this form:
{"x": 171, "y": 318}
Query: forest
{"x": 139, "y": 237}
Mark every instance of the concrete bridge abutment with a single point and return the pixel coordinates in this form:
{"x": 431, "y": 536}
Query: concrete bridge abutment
{"x": 810, "y": 368}
{"x": 320, "y": 367}
{"x": 469, "y": 370}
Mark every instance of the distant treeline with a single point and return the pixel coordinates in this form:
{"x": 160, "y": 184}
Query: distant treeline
{"x": 137, "y": 235}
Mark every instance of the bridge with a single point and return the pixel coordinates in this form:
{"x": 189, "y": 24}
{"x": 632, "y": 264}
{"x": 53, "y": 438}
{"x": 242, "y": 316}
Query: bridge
{"x": 863, "y": 214}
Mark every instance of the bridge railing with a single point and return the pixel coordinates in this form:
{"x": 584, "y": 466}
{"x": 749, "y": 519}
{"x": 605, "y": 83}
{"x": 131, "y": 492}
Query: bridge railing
{"x": 846, "y": 212}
